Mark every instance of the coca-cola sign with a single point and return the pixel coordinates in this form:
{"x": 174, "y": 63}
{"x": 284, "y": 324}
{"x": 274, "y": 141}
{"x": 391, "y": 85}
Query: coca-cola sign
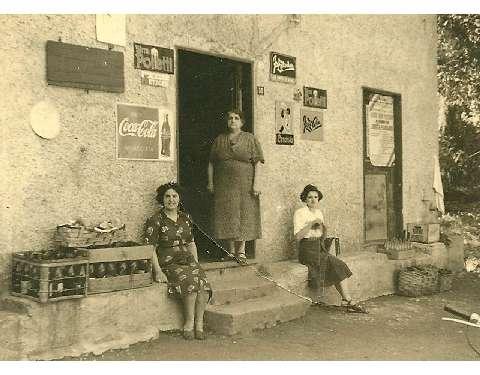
{"x": 143, "y": 133}
{"x": 283, "y": 68}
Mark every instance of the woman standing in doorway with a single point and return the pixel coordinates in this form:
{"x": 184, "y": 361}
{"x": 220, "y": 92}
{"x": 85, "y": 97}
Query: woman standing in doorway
{"x": 324, "y": 269}
{"x": 233, "y": 172}
{"x": 170, "y": 231}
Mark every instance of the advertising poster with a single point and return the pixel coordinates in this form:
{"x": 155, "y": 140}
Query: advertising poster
{"x": 153, "y": 58}
{"x": 311, "y": 123}
{"x": 283, "y": 123}
{"x": 380, "y": 130}
{"x": 144, "y": 133}
{"x": 283, "y": 68}
{"x": 313, "y": 97}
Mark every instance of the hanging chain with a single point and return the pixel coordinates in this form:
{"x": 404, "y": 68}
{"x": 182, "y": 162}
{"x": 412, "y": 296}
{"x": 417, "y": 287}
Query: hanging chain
{"x": 262, "y": 274}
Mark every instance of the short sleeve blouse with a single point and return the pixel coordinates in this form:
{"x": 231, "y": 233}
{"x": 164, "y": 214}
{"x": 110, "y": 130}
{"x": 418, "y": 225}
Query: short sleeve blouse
{"x": 302, "y": 216}
{"x": 246, "y": 148}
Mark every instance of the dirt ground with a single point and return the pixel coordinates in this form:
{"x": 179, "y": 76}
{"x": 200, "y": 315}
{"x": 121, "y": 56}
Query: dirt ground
{"x": 397, "y": 328}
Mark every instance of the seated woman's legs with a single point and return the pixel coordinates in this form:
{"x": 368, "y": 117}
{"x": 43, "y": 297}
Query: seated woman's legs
{"x": 200, "y": 305}
{"x": 343, "y": 290}
{"x": 189, "y": 311}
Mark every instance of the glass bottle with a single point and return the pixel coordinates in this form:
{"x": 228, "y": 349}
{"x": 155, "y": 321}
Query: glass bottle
{"x": 122, "y": 268}
{"x": 25, "y": 280}
{"x": 165, "y": 136}
{"x": 100, "y": 270}
{"x": 35, "y": 281}
{"x": 57, "y": 283}
{"x": 17, "y": 277}
{"x": 111, "y": 269}
{"x": 133, "y": 266}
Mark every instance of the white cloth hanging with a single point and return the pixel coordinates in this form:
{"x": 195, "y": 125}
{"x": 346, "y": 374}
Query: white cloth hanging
{"x": 437, "y": 185}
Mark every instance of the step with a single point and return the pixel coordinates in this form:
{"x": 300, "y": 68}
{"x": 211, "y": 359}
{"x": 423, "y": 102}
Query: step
{"x": 257, "y": 313}
{"x": 229, "y": 270}
{"x": 226, "y": 291}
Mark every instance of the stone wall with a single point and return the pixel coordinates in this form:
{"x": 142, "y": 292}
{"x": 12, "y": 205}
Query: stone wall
{"x": 46, "y": 182}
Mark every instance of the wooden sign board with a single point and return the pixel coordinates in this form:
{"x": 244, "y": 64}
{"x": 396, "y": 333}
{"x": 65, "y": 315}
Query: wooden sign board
{"x": 72, "y": 65}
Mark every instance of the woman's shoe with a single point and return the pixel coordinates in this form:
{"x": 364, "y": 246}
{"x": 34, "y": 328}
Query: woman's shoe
{"x": 200, "y": 335}
{"x": 349, "y": 306}
{"x": 242, "y": 260}
{"x": 188, "y": 335}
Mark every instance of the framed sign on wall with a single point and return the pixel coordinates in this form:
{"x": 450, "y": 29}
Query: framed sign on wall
{"x": 144, "y": 133}
{"x": 283, "y": 68}
{"x": 313, "y": 97}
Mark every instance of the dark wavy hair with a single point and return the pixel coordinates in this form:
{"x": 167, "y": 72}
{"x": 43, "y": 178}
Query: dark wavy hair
{"x": 162, "y": 189}
{"x": 307, "y": 189}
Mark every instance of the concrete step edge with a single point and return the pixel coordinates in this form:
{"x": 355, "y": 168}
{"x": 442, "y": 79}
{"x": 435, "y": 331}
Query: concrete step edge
{"x": 276, "y": 300}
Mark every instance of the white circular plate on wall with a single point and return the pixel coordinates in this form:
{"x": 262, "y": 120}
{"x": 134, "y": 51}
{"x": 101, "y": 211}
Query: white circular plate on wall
{"x": 45, "y": 120}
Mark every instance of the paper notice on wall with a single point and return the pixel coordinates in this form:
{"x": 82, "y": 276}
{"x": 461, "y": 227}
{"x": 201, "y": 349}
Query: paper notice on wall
{"x": 111, "y": 28}
{"x": 380, "y": 130}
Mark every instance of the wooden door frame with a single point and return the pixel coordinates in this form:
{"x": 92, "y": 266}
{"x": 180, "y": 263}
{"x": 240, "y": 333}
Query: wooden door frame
{"x": 396, "y": 207}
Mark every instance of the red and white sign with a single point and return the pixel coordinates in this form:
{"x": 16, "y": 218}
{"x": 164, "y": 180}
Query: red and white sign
{"x": 144, "y": 133}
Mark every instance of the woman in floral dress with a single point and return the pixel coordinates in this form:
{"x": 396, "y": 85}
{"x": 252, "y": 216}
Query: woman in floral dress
{"x": 170, "y": 231}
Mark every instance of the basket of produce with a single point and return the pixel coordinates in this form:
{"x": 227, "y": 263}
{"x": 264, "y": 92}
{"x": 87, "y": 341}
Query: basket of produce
{"x": 417, "y": 281}
{"x": 77, "y": 234}
{"x": 445, "y": 280}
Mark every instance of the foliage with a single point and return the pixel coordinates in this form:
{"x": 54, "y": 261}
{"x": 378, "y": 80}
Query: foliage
{"x": 459, "y": 84}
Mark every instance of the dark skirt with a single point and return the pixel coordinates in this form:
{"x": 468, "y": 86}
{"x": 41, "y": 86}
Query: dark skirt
{"x": 324, "y": 269}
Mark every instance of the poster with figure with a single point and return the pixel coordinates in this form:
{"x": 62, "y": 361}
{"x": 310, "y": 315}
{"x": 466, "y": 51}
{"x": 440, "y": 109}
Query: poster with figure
{"x": 313, "y": 97}
{"x": 380, "y": 130}
{"x": 311, "y": 122}
{"x": 144, "y": 133}
{"x": 283, "y": 123}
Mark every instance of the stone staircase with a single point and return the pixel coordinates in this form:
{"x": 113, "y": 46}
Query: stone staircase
{"x": 244, "y": 301}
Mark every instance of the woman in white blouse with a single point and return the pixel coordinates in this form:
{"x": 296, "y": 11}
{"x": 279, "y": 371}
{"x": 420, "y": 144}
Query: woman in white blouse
{"x": 324, "y": 269}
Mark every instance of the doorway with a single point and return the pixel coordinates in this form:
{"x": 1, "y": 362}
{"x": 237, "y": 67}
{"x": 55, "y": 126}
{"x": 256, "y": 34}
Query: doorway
{"x": 382, "y": 165}
{"x": 208, "y": 86}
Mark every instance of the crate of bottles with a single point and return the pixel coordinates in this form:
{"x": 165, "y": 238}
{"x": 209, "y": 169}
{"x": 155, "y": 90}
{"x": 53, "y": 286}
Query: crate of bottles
{"x": 47, "y": 276}
{"x": 399, "y": 249}
{"x": 118, "y": 268}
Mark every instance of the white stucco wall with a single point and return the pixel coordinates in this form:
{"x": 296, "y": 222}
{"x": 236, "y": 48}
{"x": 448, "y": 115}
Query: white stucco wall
{"x": 45, "y": 182}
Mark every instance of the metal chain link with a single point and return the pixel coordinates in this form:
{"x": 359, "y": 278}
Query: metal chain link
{"x": 257, "y": 272}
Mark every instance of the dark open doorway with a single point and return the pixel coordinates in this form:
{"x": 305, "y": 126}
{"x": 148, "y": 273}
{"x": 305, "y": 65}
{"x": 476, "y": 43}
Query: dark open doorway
{"x": 208, "y": 86}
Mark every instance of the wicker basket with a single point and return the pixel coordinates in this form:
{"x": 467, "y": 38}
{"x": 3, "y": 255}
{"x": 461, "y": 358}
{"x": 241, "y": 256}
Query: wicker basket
{"x": 85, "y": 237}
{"x": 418, "y": 281}
{"x": 445, "y": 280}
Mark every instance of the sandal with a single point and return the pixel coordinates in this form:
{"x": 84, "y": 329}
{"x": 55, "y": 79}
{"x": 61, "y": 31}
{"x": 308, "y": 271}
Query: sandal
{"x": 349, "y": 306}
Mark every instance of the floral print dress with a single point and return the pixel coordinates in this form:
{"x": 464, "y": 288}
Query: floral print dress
{"x": 170, "y": 239}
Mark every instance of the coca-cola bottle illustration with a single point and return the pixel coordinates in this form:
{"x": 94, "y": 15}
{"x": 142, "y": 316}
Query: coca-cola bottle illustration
{"x": 166, "y": 135}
